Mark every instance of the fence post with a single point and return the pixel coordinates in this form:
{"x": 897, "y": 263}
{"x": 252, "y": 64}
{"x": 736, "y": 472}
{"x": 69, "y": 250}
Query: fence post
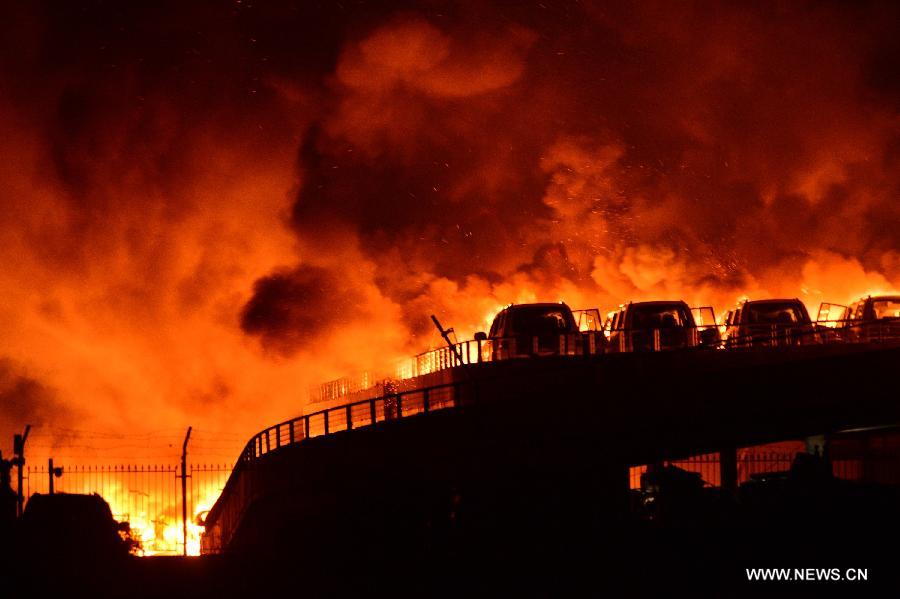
{"x": 187, "y": 438}
{"x": 306, "y": 427}
{"x": 277, "y": 436}
{"x": 373, "y": 416}
{"x": 425, "y": 399}
{"x": 399, "y": 405}
{"x": 325, "y": 416}
{"x": 349, "y": 417}
{"x": 291, "y": 432}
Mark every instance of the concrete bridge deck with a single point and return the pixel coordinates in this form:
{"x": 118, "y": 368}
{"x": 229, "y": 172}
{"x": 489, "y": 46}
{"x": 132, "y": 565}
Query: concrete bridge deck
{"x": 564, "y": 427}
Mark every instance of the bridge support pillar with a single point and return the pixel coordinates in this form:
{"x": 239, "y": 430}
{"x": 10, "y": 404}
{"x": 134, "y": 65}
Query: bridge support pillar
{"x": 728, "y": 469}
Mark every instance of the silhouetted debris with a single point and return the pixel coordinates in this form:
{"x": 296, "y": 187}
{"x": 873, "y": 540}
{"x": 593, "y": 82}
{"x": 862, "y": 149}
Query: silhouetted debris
{"x": 8, "y": 500}
{"x": 70, "y": 526}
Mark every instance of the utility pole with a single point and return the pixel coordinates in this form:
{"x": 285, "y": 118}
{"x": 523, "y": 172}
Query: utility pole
{"x": 19, "y": 462}
{"x": 184, "y": 488}
{"x": 53, "y": 473}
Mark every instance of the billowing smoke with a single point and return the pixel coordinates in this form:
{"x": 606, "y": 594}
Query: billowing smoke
{"x": 22, "y": 397}
{"x": 209, "y": 208}
{"x": 602, "y": 154}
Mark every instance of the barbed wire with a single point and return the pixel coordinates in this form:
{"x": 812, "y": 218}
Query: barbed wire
{"x": 64, "y": 432}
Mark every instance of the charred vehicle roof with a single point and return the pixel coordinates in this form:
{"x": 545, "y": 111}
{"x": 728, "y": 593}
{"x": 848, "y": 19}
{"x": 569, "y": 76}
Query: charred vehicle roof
{"x": 540, "y": 319}
{"x": 773, "y": 311}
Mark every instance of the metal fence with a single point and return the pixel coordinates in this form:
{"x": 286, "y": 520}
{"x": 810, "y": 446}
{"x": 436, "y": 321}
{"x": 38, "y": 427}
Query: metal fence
{"x": 585, "y": 343}
{"x": 616, "y": 340}
{"x": 148, "y": 497}
{"x": 350, "y": 416}
{"x": 753, "y": 462}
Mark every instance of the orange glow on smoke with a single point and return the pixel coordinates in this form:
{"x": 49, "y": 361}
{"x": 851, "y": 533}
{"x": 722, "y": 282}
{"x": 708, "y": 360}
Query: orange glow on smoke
{"x": 204, "y": 236}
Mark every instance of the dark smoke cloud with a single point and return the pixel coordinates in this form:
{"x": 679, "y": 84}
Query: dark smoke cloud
{"x": 292, "y": 309}
{"x": 26, "y": 400}
{"x": 628, "y": 149}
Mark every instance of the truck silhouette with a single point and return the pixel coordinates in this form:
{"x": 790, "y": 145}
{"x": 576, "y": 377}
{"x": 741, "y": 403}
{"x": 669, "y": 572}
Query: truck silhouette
{"x": 540, "y": 329}
{"x": 769, "y": 323}
{"x": 660, "y": 325}
{"x": 870, "y": 318}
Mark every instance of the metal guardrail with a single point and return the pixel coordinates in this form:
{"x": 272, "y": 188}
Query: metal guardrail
{"x": 475, "y": 351}
{"x": 360, "y": 414}
{"x": 755, "y": 335}
{"x": 752, "y": 462}
{"x": 392, "y": 406}
{"x": 352, "y": 416}
{"x": 623, "y": 340}
{"x": 627, "y": 340}
{"x": 823, "y": 332}
{"x": 593, "y": 343}
{"x": 402, "y": 404}
{"x": 855, "y": 331}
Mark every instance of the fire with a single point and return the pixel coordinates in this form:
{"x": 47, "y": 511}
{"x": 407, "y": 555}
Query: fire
{"x": 486, "y": 322}
{"x": 159, "y": 528}
{"x": 205, "y": 237}
{"x": 195, "y": 527}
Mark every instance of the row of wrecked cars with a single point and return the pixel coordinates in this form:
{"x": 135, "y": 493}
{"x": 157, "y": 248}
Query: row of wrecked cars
{"x": 554, "y": 329}
{"x": 521, "y": 330}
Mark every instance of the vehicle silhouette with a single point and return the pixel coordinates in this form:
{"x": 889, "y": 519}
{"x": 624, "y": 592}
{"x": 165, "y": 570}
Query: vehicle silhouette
{"x": 658, "y": 325}
{"x": 530, "y": 330}
{"x": 770, "y": 323}
{"x": 870, "y": 318}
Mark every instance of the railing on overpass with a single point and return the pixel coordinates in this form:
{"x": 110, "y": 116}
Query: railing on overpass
{"x": 389, "y": 404}
{"x": 822, "y": 332}
{"x": 360, "y": 414}
{"x": 398, "y": 405}
{"x": 393, "y": 405}
{"x": 351, "y": 416}
{"x": 594, "y": 343}
{"x": 474, "y": 351}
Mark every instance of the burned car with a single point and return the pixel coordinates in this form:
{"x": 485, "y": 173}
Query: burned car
{"x": 869, "y": 319}
{"x": 541, "y": 329}
{"x": 770, "y": 323}
{"x": 660, "y": 325}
